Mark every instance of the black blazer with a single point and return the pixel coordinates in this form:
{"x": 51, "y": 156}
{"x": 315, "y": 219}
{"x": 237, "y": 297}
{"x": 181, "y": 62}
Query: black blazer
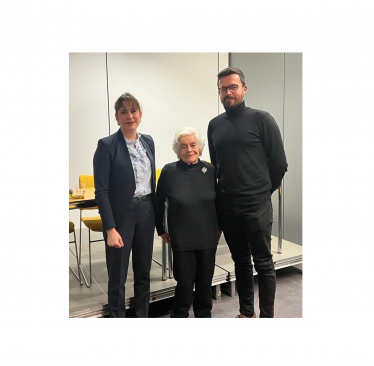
{"x": 114, "y": 177}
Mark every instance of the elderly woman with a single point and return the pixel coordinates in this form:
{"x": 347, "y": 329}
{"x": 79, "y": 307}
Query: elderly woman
{"x": 124, "y": 173}
{"x": 189, "y": 187}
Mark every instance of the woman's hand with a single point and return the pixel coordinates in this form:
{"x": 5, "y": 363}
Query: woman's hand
{"x": 166, "y": 237}
{"x": 114, "y": 239}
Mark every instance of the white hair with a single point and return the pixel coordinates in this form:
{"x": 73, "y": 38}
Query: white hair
{"x": 185, "y": 131}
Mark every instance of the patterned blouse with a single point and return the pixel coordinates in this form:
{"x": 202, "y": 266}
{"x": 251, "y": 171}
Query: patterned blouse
{"x": 141, "y": 165}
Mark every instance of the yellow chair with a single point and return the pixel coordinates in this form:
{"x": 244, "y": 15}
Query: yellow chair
{"x": 93, "y": 223}
{"x": 72, "y": 230}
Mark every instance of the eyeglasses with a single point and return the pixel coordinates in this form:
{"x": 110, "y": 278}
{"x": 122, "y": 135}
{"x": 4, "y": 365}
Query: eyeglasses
{"x": 233, "y": 88}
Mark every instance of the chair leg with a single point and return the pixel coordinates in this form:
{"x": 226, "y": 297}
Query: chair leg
{"x": 76, "y": 252}
{"x": 89, "y": 253}
{"x": 80, "y": 249}
{"x": 80, "y": 236}
{"x": 77, "y": 276}
{"x": 88, "y": 284}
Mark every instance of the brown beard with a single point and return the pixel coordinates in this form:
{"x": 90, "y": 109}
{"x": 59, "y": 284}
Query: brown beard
{"x": 228, "y": 108}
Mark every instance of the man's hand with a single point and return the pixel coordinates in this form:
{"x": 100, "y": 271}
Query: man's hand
{"x": 166, "y": 237}
{"x": 114, "y": 239}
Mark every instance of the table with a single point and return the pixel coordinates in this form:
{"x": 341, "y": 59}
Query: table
{"x": 87, "y": 201}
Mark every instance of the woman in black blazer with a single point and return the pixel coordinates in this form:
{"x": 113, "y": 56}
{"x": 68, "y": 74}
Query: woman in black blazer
{"x": 124, "y": 174}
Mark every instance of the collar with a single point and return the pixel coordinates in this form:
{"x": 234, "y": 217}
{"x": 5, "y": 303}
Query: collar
{"x": 131, "y": 142}
{"x": 184, "y": 165}
{"x": 239, "y": 109}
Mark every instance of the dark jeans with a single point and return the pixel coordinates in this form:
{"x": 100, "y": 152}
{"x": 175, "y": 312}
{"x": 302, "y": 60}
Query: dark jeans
{"x": 137, "y": 232}
{"x": 193, "y": 267}
{"x": 247, "y": 231}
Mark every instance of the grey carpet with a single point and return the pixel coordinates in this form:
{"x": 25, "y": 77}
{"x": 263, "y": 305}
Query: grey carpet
{"x": 288, "y": 299}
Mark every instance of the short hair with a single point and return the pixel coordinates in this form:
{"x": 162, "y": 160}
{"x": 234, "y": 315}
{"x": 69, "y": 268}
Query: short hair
{"x": 127, "y": 97}
{"x": 231, "y": 70}
{"x": 185, "y": 131}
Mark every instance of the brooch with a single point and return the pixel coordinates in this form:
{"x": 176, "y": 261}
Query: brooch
{"x": 204, "y": 170}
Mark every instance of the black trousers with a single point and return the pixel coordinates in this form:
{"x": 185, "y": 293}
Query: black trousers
{"x": 195, "y": 267}
{"x": 247, "y": 231}
{"x": 137, "y": 232}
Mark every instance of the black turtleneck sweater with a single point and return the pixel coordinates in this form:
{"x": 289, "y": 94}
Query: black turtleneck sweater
{"x": 246, "y": 148}
{"x": 190, "y": 190}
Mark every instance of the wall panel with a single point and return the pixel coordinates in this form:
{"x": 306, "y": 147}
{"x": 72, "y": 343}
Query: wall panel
{"x": 293, "y": 146}
{"x": 264, "y": 76}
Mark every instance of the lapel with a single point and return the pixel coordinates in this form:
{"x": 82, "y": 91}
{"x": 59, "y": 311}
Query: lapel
{"x": 125, "y": 153}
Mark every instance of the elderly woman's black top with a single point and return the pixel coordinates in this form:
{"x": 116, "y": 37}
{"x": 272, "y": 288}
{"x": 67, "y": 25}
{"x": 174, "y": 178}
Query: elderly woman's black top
{"x": 190, "y": 190}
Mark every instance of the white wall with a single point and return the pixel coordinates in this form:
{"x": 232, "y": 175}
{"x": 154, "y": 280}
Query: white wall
{"x": 88, "y": 116}
{"x": 88, "y": 111}
{"x": 174, "y": 89}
